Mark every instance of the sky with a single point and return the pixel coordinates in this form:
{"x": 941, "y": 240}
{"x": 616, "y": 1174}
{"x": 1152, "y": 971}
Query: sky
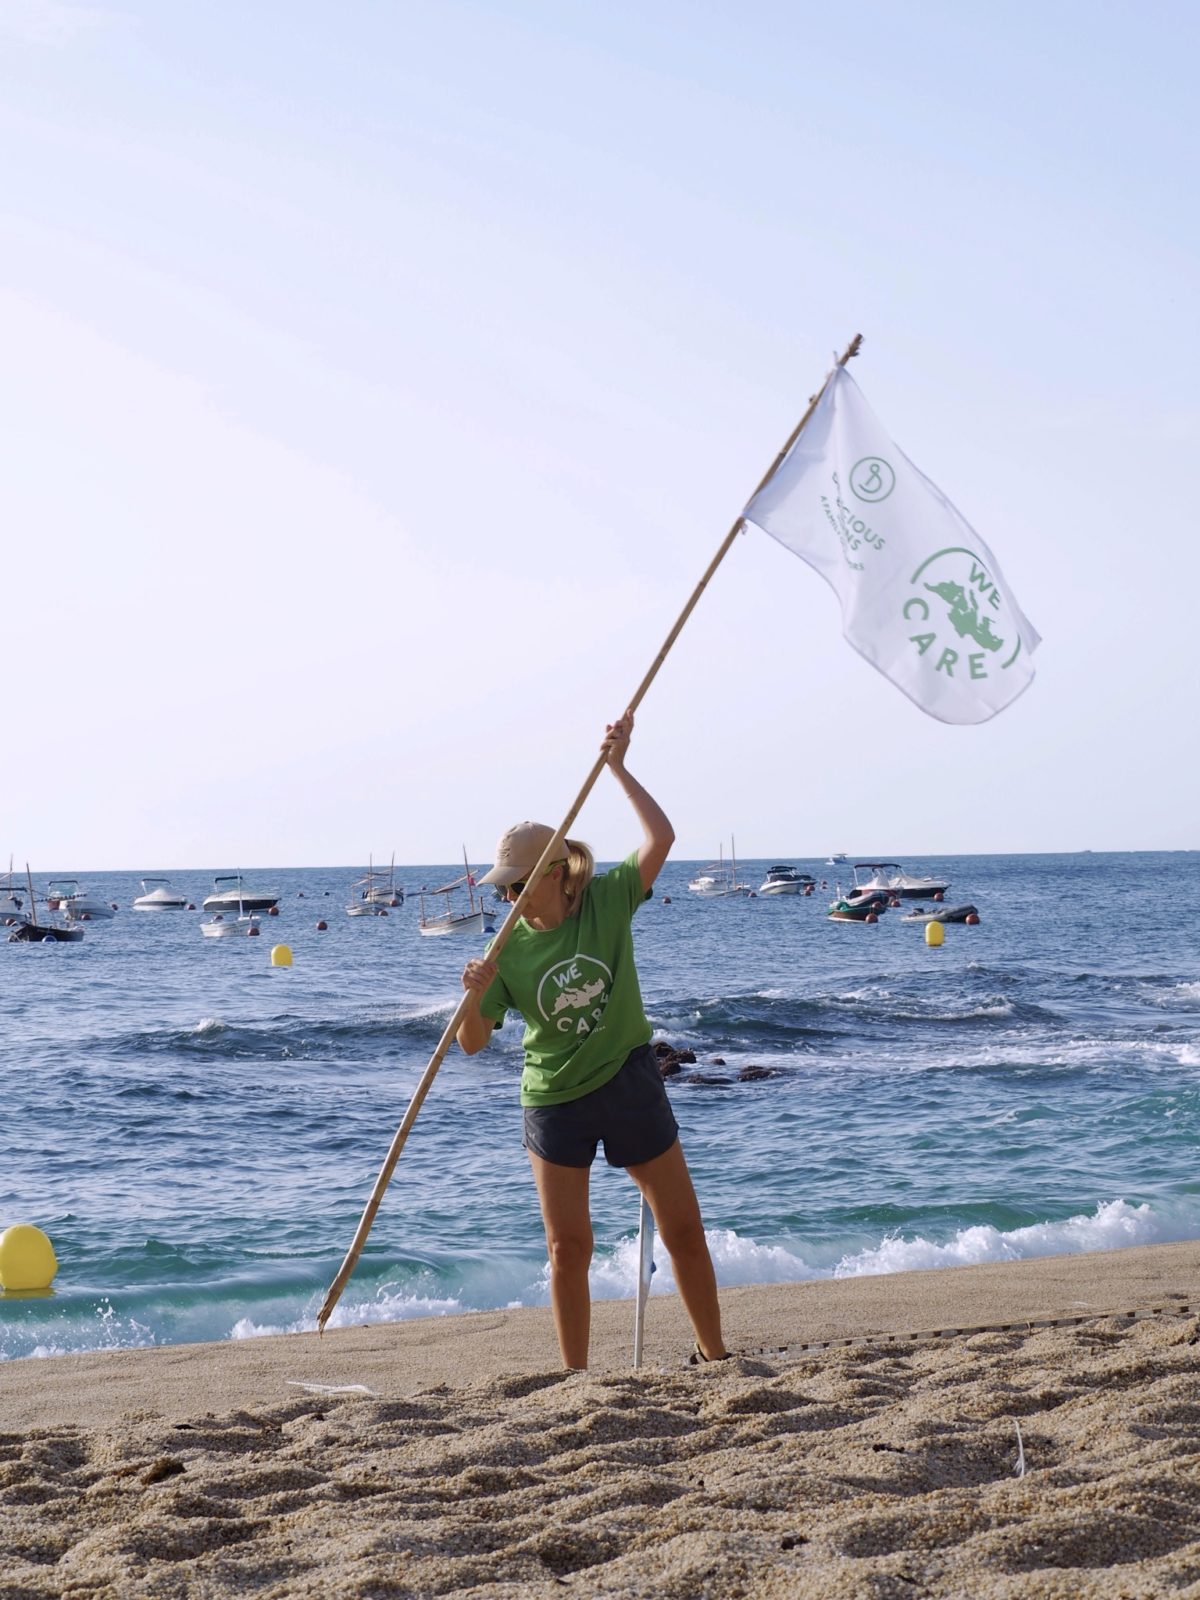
{"x": 378, "y": 380}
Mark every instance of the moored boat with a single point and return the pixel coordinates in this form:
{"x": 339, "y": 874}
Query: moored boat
{"x": 163, "y": 898}
{"x": 30, "y": 931}
{"x": 890, "y": 878}
{"x": 223, "y": 925}
{"x": 719, "y": 879}
{"x": 967, "y": 913}
{"x": 44, "y": 933}
{"x": 783, "y": 879}
{"x": 869, "y": 909}
{"x": 454, "y": 917}
{"x": 229, "y": 893}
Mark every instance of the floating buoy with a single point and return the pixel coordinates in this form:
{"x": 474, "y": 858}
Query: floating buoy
{"x": 971, "y": 920}
{"x": 27, "y": 1259}
{"x": 252, "y": 932}
{"x": 934, "y": 934}
{"x": 383, "y": 913}
{"x": 85, "y": 916}
{"x": 48, "y": 939}
{"x": 281, "y": 955}
{"x": 938, "y": 895}
{"x": 893, "y": 902}
{"x": 870, "y": 917}
{"x": 272, "y": 911}
{"x": 666, "y": 899}
{"x": 321, "y": 927}
{"x": 393, "y": 901}
{"x": 191, "y": 907}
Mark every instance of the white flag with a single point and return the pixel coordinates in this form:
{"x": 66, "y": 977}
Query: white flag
{"x": 922, "y": 596}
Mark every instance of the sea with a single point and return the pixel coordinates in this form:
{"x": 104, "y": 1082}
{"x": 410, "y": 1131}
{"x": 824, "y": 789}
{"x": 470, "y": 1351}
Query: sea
{"x": 197, "y": 1130}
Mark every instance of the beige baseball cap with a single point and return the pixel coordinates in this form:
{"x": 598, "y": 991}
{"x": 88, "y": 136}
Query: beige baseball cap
{"x": 518, "y": 852}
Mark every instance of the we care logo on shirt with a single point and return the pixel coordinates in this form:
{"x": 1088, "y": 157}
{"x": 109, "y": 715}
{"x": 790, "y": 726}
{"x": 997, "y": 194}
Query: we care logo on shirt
{"x": 573, "y": 993}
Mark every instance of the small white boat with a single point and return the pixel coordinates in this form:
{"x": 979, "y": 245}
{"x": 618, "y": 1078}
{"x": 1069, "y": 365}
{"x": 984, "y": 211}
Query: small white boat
{"x": 164, "y": 898}
{"x": 454, "y": 917}
{"x": 229, "y": 893}
{"x": 375, "y": 893}
{"x": 76, "y": 903}
{"x": 837, "y": 861}
{"x": 719, "y": 881}
{"x": 384, "y": 891}
{"x": 786, "y": 880}
{"x": 223, "y": 925}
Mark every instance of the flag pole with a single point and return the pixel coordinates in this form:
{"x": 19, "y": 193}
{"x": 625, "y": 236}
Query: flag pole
{"x": 549, "y": 854}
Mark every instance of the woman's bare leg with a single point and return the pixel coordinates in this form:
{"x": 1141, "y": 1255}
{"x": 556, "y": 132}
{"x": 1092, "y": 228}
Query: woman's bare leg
{"x": 563, "y": 1192}
{"x": 667, "y": 1185}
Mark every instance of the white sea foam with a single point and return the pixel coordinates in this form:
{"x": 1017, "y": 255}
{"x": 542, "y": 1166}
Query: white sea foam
{"x": 1111, "y": 1226}
{"x": 384, "y": 1308}
{"x": 1184, "y": 996}
{"x": 209, "y": 1025}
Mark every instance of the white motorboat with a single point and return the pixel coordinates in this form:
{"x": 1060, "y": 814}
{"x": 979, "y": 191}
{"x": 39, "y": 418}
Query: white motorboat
{"x": 890, "y": 878}
{"x": 874, "y": 877}
{"x": 163, "y": 898}
{"x": 223, "y": 925}
{"x": 76, "y": 903}
{"x": 911, "y": 888}
{"x": 786, "y": 880}
{"x": 229, "y": 893}
{"x": 719, "y": 880}
{"x": 454, "y": 916}
{"x": 837, "y": 861}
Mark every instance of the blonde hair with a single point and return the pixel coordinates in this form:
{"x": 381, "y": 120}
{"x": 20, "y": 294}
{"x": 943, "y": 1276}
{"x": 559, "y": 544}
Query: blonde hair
{"x": 578, "y": 873}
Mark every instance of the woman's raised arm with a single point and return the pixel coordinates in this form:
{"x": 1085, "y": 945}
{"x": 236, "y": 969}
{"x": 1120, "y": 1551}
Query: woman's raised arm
{"x": 659, "y": 834}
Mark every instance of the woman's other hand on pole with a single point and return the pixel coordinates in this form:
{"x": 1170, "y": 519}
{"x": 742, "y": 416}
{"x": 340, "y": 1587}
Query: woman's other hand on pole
{"x": 616, "y": 739}
{"x": 478, "y": 976}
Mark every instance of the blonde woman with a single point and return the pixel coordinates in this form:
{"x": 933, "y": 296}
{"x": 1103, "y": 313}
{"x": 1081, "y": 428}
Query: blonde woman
{"x": 590, "y": 1075}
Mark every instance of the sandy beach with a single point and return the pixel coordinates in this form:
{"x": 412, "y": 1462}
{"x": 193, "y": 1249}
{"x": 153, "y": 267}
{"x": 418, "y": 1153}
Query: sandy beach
{"x": 457, "y": 1460}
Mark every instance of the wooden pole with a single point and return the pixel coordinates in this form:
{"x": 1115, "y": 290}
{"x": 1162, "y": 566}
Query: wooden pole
{"x": 551, "y": 853}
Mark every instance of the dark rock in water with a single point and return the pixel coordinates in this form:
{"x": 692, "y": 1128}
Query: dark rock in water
{"x": 717, "y": 1061}
{"x": 670, "y": 1060}
{"x": 707, "y": 1080}
{"x": 753, "y": 1074}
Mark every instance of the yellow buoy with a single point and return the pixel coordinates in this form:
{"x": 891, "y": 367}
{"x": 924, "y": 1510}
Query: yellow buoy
{"x": 281, "y": 955}
{"x": 934, "y": 934}
{"x": 27, "y": 1259}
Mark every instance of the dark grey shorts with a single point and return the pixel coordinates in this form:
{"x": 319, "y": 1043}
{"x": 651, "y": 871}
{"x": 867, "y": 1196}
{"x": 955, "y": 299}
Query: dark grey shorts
{"x": 631, "y": 1113}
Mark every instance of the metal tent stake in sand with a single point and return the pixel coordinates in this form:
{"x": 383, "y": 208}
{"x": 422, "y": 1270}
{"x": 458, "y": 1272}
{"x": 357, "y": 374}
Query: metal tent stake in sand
{"x": 549, "y": 854}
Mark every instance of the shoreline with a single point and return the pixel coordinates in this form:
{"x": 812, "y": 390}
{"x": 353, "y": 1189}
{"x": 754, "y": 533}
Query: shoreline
{"x": 97, "y": 1388}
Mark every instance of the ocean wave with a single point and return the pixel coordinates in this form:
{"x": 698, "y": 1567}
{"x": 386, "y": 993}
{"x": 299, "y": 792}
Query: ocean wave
{"x": 289, "y": 1037}
{"x": 384, "y": 1308}
{"x": 1112, "y": 1226}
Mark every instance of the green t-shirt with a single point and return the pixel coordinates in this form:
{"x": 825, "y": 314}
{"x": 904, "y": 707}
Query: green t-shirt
{"x": 577, "y": 988}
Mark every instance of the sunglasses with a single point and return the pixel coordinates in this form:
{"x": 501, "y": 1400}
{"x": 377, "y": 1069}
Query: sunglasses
{"x": 519, "y": 886}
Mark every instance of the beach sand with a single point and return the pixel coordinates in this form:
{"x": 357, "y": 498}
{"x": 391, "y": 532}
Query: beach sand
{"x": 886, "y": 1467}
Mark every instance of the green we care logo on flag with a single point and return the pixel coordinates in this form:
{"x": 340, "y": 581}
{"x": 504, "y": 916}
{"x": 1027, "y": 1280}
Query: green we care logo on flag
{"x": 922, "y": 596}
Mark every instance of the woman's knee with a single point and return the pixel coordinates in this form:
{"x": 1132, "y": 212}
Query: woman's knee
{"x": 685, "y": 1237}
{"x": 570, "y": 1252}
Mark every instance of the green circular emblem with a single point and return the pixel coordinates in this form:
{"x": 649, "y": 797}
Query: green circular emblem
{"x": 872, "y": 479}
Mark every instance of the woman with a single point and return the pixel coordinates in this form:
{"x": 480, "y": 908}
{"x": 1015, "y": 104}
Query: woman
{"x": 590, "y": 1074}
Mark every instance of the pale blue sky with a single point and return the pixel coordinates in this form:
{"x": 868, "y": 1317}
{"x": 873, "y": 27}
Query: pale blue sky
{"x": 379, "y": 379}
